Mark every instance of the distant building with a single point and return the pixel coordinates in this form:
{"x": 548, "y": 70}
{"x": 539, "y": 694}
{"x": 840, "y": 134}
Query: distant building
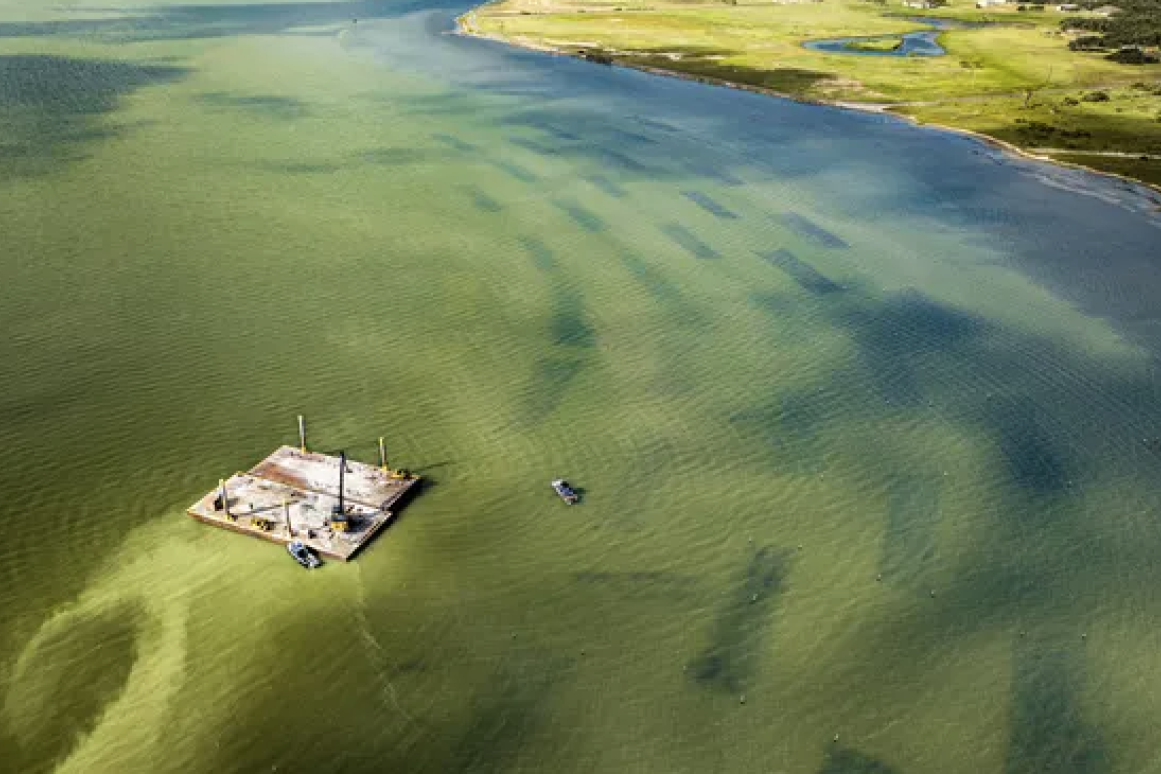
{"x": 922, "y": 4}
{"x": 1068, "y": 7}
{"x": 989, "y": 3}
{"x": 1106, "y": 10}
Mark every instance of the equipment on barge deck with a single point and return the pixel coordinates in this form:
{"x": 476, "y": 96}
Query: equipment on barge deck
{"x": 340, "y": 521}
{"x": 222, "y": 501}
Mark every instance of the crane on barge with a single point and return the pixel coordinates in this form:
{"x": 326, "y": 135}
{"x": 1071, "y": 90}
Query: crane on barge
{"x": 340, "y": 521}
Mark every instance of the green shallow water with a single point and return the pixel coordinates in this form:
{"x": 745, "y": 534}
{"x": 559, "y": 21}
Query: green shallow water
{"x": 863, "y": 415}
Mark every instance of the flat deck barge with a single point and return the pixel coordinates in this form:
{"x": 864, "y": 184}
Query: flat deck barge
{"x": 293, "y": 494}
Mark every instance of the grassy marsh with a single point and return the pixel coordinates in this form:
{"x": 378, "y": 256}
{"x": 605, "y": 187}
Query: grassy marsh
{"x": 879, "y": 44}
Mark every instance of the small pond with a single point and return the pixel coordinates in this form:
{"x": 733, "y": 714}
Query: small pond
{"x": 922, "y": 43}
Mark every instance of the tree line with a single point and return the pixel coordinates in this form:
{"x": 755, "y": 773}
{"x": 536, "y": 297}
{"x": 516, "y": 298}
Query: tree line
{"x": 1138, "y": 24}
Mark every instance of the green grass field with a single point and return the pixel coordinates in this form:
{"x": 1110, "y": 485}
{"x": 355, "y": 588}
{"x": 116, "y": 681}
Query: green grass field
{"x": 983, "y": 83}
{"x": 880, "y": 44}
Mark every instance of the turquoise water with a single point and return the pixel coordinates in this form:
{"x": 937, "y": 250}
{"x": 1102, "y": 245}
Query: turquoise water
{"x": 864, "y": 414}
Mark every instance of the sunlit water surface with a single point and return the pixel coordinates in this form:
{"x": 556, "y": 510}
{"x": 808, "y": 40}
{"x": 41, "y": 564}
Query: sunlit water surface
{"x": 864, "y": 415}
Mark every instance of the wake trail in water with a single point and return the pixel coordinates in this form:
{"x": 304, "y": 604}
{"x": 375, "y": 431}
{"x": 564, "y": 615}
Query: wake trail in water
{"x": 377, "y": 654}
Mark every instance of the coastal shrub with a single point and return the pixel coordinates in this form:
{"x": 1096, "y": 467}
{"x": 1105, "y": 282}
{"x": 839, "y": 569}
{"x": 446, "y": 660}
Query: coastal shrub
{"x": 1087, "y": 43}
{"x": 597, "y": 56}
{"x": 1096, "y": 96}
{"x": 1071, "y": 101}
{"x": 1132, "y": 56}
{"x": 1086, "y": 24}
{"x": 1039, "y": 127}
{"x": 1138, "y": 23}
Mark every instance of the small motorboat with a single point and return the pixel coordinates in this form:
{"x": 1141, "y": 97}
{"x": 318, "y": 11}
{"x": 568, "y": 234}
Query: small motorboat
{"x": 565, "y": 491}
{"x": 303, "y": 555}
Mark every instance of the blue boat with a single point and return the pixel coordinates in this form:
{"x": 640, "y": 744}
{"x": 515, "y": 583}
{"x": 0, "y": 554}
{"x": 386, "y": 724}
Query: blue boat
{"x": 565, "y": 491}
{"x": 303, "y": 555}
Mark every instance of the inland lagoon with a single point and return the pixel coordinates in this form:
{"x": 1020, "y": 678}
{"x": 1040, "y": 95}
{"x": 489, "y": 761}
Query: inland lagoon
{"x": 867, "y": 417}
{"x": 925, "y": 43}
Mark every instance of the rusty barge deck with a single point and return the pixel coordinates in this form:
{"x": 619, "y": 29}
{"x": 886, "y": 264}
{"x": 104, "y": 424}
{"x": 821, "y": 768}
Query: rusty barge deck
{"x": 292, "y": 494}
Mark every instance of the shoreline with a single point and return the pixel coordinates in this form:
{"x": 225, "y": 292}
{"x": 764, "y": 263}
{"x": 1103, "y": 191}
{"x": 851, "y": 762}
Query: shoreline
{"x": 464, "y": 29}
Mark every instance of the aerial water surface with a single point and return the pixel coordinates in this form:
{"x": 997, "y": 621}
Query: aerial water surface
{"x": 865, "y": 415}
